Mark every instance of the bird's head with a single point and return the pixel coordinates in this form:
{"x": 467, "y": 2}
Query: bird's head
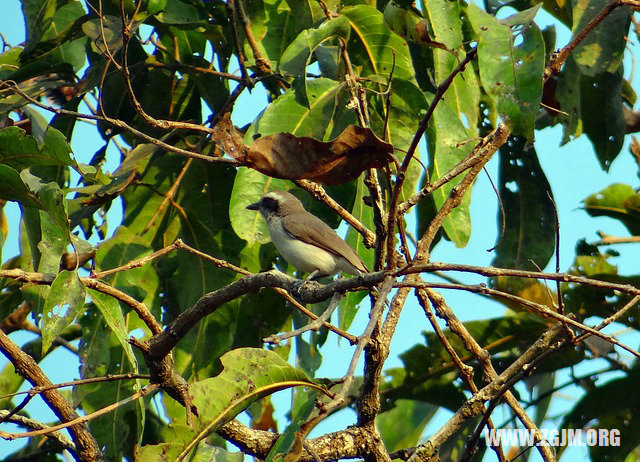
{"x": 277, "y": 203}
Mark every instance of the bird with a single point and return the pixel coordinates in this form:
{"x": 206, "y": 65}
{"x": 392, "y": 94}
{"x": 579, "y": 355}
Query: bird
{"x": 304, "y": 240}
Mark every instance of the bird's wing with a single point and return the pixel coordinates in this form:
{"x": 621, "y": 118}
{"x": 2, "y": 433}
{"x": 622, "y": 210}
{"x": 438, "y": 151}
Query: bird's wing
{"x": 298, "y": 225}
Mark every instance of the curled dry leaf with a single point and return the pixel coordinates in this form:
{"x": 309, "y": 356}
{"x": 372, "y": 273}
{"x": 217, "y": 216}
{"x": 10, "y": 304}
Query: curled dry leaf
{"x": 290, "y": 157}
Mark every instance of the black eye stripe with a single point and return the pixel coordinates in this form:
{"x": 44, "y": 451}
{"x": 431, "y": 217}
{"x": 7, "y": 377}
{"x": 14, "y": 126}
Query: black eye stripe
{"x": 270, "y": 204}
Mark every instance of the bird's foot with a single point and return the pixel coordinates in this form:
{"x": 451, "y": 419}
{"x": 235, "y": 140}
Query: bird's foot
{"x": 302, "y": 286}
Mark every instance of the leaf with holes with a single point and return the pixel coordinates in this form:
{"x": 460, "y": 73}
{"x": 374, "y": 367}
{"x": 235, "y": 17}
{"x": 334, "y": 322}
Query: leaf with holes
{"x": 511, "y": 58}
{"x": 447, "y": 141}
{"x": 529, "y": 225}
{"x": 602, "y": 49}
{"x": 64, "y": 302}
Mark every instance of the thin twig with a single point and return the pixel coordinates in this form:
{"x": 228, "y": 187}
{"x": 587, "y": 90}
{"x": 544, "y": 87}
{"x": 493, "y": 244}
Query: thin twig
{"x": 422, "y": 127}
{"x": 82, "y": 419}
{"x": 471, "y": 345}
{"x": 23, "y": 421}
{"x": 606, "y": 239}
{"x": 363, "y": 340}
{"x": 313, "y": 325}
{"x": 543, "y": 310}
{"x": 7, "y": 84}
{"x": 491, "y": 271}
{"x": 465, "y": 371}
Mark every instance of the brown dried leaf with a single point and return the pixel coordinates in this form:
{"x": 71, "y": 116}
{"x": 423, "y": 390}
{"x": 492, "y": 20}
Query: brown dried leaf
{"x": 290, "y": 157}
{"x": 229, "y": 138}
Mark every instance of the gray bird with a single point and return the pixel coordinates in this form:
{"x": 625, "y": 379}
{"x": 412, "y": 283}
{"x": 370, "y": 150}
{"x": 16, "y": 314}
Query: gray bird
{"x": 304, "y": 240}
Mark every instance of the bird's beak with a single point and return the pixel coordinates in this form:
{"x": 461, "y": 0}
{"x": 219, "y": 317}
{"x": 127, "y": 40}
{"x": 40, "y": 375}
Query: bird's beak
{"x": 254, "y": 206}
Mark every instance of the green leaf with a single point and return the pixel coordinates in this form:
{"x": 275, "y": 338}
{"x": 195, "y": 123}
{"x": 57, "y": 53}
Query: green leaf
{"x": 447, "y": 141}
{"x": 402, "y": 426}
{"x": 618, "y": 201}
{"x": 408, "y": 106}
{"x": 324, "y": 119}
{"x": 544, "y": 384}
{"x": 602, "y": 49}
{"x": 560, "y": 9}
{"x": 463, "y": 96}
{"x": 64, "y": 302}
{"x": 568, "y": 96}
{"x": 287, "y": 438}
{"x": 349, "y": 304}
{"x": 19, "y": 150}
{"x": 9, "y": 62}
{"x": 112, "y": 314}
{"x": 51, "y": 242}
{"x": 296, "y": 57}
{"x": 119, "y": 431}
{"x": 51, "y": 198}
{"x": 273, "y": 25}
{"x": 373, "y": 45}
{"x": 12, "y": 188}
{"x": 141, "y": 283}
{"x": 206, "y": 453}
{"x": 179, "y": 13}
{"x": 612, "y": 405}
{"x": 248, "y": 374}
{"x": 602, "y": 114}
{"x": 308, "y": 12}
{"x": 146, "y": 212}
{"x": 213, "y": 89}
{"x": 429, "y": 372}
{"x": 511, "y": 64}
{"x": 108, "y": 33}
{"x": 529, "y": 227}
{"x": 308, "y": 355}
{"x": 38, "y": 16}
{"x": 58, "y": 38}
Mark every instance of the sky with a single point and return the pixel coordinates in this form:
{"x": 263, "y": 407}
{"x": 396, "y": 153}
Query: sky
{"x": 569, "y": 184}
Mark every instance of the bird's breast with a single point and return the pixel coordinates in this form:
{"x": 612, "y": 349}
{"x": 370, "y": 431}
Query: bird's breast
{"x": 303, "y": 256}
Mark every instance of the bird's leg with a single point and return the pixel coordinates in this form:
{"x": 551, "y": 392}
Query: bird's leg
{"x": 301, "y": 284}
{"x": 313, "y": 275}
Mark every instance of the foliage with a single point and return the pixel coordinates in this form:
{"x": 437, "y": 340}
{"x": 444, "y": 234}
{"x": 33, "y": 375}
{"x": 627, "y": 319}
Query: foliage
{"x": 170, "y": 291}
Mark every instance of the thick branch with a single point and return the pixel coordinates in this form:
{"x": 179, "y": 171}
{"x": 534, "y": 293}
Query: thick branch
{"x": 309, "y": 292}
{"x": 345, "y": 444}
{"x": 86, "y": 446}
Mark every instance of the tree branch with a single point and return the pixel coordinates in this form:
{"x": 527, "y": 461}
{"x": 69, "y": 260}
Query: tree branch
{"x": 87, "y": 448}
{"x": 475, "y": 404}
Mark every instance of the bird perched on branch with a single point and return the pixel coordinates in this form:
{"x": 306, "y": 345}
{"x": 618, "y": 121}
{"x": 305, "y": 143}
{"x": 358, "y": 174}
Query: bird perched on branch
{"x": 304, "y": 240}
